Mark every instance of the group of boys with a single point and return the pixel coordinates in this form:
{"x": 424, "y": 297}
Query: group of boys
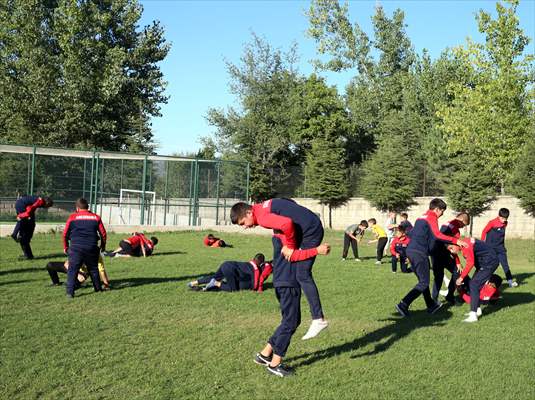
{"x": 84, "y": 242}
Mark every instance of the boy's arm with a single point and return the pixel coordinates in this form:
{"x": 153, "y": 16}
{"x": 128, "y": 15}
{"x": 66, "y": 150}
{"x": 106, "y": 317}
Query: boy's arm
{"x": 67, "y": 235}
{"x": 435, "y": 231}
{"x": 283, "y": 224}
{"x": 393, "y": 248}
{"x": 31, "y": 208}
{"x": 266, "y": 272}
{"x": 468, "y": 254}
{"x": 102, "y": 233}
{"x": 486, "y": 229}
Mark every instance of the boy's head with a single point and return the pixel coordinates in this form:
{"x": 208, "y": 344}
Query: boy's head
{"x": 400, "y": 231}
{"x": 503, "y": 214}
{"x": 242, "y": 214}
{"x": 154, "y": 240}
{"x": 81, "y": 204}
{"x": 210, "y": 236}
{"x": 392, "y": 214}
{"x": 404, "y": 216}
{"x": 259, "y": 259}
{"x": 372, "y": 221}
{"x": 48, "y": 202}
{"x": 496, "y": 280}
{"x": 464, "y": 218}
{"x": 363, "y": 224}
{"x": 438, "y": 206}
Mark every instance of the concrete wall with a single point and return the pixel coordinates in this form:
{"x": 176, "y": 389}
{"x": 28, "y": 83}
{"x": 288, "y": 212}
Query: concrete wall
{"x": 521, "y": 225}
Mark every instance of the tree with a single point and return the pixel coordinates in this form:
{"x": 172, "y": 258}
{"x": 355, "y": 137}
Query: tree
{"x": 79, "y": 74}
{"x": 471, "y": 188}
{"x": 489, "y": 118}
{"x": 389, "y": 181}
{"x": 524, "y": 176}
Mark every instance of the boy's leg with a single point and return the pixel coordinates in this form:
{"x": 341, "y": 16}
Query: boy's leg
{"x": 476, "y": 283}
{"x": 53, "y": 268}
{"x": 403, "y": 263}
{"x": 91, "y": 262}
{"x": 290, "y": 305}
{"x": 231, "y": 277}
{"x": 305, "y": 279}
{"x": 26, "y": 233}
{"x": 394, "y": 263}
{"x": 420, "y": 266}
{"x": 502, "y": 257}
{"x": 75, "y": 262}
{"x": 355, "y": 248}
{"x": 381, "y": 243}
{"x": 346, "y": 245}
{"x": 16, "y": 231}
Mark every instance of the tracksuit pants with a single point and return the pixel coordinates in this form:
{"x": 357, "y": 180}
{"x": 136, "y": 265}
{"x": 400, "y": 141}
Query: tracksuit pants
{"x": 304, "y": 274}
{"x": 502, "y": 257}
{"x": 381, "y": 244}
{"x": 354, "y": 246}
{"x": 402, "y": 263}
{"x": 420, "y": 266}
{"x": 77, "y": 257}
{"x": 441, "y": 261}
{"x": 481, "y": 276}
{"x": 290, "y": 305}
{"x": 27, "y": 227}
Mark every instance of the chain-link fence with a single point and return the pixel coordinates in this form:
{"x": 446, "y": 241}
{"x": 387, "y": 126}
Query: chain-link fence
{"x": 124, "y": 188}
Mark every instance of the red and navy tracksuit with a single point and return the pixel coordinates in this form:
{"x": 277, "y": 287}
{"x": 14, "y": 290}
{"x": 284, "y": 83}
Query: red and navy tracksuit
{"x": 423, "y": 237}
{"x": 80, "y": 241}
{"x": 132, "y": 246}
{"x": 235, "y": 275}
{"x": 297, "y": 228}
{"x": 398, "y": 247}
{"x": 442, "y": 259}
{"x": 494, "y": 235}
{"x": 480, "y": 255}
{"x": 25, "y": 226}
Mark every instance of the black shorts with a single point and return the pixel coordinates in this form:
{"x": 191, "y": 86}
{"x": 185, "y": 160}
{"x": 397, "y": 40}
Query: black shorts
{"x": 128, "y": 250}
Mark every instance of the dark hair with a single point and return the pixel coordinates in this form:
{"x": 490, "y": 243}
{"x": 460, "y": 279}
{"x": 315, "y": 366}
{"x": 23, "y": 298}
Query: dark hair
{"x": 465, "y": 215}
{"x": 154, "y": 240}
{"x": 496, "y": 279}
{"x": 401, "y": 228}
{"x": 210, "y": 236}
{"x": 259, "y": 259}
{"x": 48, "y": 201}
{"x": 364, "y": 223}
{"x": 504, "y": 212}
{"x": 372, "y": 220}
{"x": 82, "y": 204}
{"x": 438, "y": 203}
{"x": 404, "y": 215}
{"x": 238, "y": 211}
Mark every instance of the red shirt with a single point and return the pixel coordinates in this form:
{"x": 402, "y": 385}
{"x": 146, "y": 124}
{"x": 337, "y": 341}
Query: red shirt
{"x": 264, "y": 217}
{"x": 139, "y": 239}
{"x": 487, "y": 292}
{"x": 31, "y": 209}
{"x": 260, "y": 278}
{"x": 211, "y": 242}
{"x": 400, "y": 241}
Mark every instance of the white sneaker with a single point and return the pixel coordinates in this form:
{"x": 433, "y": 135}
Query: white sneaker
{"x": 378, "y": 263}
{"x": 443, "y": 293}
{"x": 471, "y": 318}
{"x": 513, "y": 284}
{"x": 479, "y": 313}
{"x": 358, "y": 260}
{"x": 446, "y": 280}
{"x": 315, "y": 328}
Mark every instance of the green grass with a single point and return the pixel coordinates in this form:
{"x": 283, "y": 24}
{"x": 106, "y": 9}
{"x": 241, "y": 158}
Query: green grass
{"x": 150, "y": 338}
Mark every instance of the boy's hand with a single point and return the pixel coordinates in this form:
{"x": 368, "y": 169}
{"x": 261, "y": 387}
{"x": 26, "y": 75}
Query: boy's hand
{"x": 287, "y": 252}
{"x": 324, "y": 249}
{"x": 462, "y": 243}
{"x": 459, "y": 281}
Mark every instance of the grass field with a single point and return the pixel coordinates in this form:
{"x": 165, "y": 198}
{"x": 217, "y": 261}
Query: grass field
{"x": 151, "y": 338}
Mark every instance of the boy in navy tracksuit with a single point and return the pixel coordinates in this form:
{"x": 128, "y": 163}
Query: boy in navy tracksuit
{"x": 494, "y": 235}
{"x": 442, "y": 258}
{"x": 297, "y": 236}
{"x": 80, "y": 242}
{"x": 480, "y": 255}
{"x": 423, "y": 236}
{"x": 25, "y": 226}
{"x": 398, "y": 249}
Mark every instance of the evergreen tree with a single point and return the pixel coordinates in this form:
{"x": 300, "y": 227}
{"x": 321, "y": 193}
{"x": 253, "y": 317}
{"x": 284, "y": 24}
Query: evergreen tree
{"x": 471, "y": 188}
{"x": 524, "y": 176}
{"x": 390, "y": 181}
{"x": 326, "y": 174}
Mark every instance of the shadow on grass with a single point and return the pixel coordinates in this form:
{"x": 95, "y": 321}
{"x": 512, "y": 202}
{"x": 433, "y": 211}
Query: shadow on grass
{"x": 510, "y": 299}
{"x": 118, "y": 284}
{"x": 21, "y": 270}
{"x": 381, "y": 338}
{"x": 54, "y": 255}
{"x": 16, "y": 282}
{"x": 521, "y": 278}
{"x": 167, "y": 253}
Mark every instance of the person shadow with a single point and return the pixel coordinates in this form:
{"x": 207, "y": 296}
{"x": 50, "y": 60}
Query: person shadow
{"x": 509, "y": 299}
{"x": 118, "y": 284}
{"x": 21, "y": 270}
{"x": 521, "y": 278}
{"x": 382, "y": 339}
{"x": 167, "y": 253}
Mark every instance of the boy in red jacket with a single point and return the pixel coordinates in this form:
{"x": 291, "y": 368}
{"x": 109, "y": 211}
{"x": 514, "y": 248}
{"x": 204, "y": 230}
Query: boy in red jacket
{"x": 398, "y": 249}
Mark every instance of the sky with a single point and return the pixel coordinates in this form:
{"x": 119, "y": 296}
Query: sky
{"x": 205, "y": 34}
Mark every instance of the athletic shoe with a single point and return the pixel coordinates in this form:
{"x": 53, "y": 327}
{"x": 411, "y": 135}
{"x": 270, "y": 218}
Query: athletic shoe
{"x": 402, "y": 308}
{"x": 315, "y": 328}
{"x": 479, "y": 313}
{"x": 393, "y": 272}
{"x": 262, "y": 360}
{"x": 70, "y": 297}
{"x": 513, "y": 284}
{"x": 435, "y": 308}
{"x": 55, "y": 284}
{"x": 471, "y": 318}
{"x": 343, "y": 259}
{"x": 444, "y": 292}
{"x": 280, "y": 370}
{"x": 358, "y": 260}
{"x": 109, "y": 253}
{"x": 211, "y": 285}
{"x": 378, "y": 263}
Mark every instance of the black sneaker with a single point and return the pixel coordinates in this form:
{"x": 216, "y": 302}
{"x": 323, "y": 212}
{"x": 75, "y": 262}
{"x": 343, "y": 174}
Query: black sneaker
{"x": 435, "y": 308}
{"x": 280, "y": 370}
{"x": 55, "y": 284}
{"x": 402, "y": 308}
{"x": 262, "y": 360}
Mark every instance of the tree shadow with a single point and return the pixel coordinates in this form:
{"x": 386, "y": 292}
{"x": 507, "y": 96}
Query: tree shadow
{"x": 168, "y": 253}
{"x": 509, "y": 299}
{"x": 21, "y": 270}
{"x": 382, "y": 338}
{"x": 118, "y": 284}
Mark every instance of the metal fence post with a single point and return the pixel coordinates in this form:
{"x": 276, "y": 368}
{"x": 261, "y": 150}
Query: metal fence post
{"x": 95, "y": 194}
{"x": 217, "y": 194}
{"x": 101, "y": 185}
{"x": 84, "y": 178}
{"x": 33, "y": 170}
{"x": 29, "y": 174}
{"x": 144, "y": 181}
{"x": 196, "y": 193}
{"x": 91, "y": 180}
{"x": 248, "y": 177}
{"x": 165, "y": 204}
{"x": 190, "y": 193}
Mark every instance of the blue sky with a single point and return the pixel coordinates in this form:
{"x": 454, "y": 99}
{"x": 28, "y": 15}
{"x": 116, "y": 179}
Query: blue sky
{"x": 203, "y": 34}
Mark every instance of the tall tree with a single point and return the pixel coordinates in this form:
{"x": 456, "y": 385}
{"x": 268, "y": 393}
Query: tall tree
{"x": 79, "y": 73}
{"x": 489, "y": 119}
{"x": 389, "y": 181}
{"x": 524, "y": 175}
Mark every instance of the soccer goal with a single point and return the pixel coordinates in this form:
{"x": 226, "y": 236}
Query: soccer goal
{"x": 130, "y": 203}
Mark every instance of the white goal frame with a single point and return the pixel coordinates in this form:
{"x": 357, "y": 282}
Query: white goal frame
{"x": 151, "y": 207}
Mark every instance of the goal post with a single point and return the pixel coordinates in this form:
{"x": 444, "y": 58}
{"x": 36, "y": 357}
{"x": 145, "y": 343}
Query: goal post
{"x": 130, "y": 198}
